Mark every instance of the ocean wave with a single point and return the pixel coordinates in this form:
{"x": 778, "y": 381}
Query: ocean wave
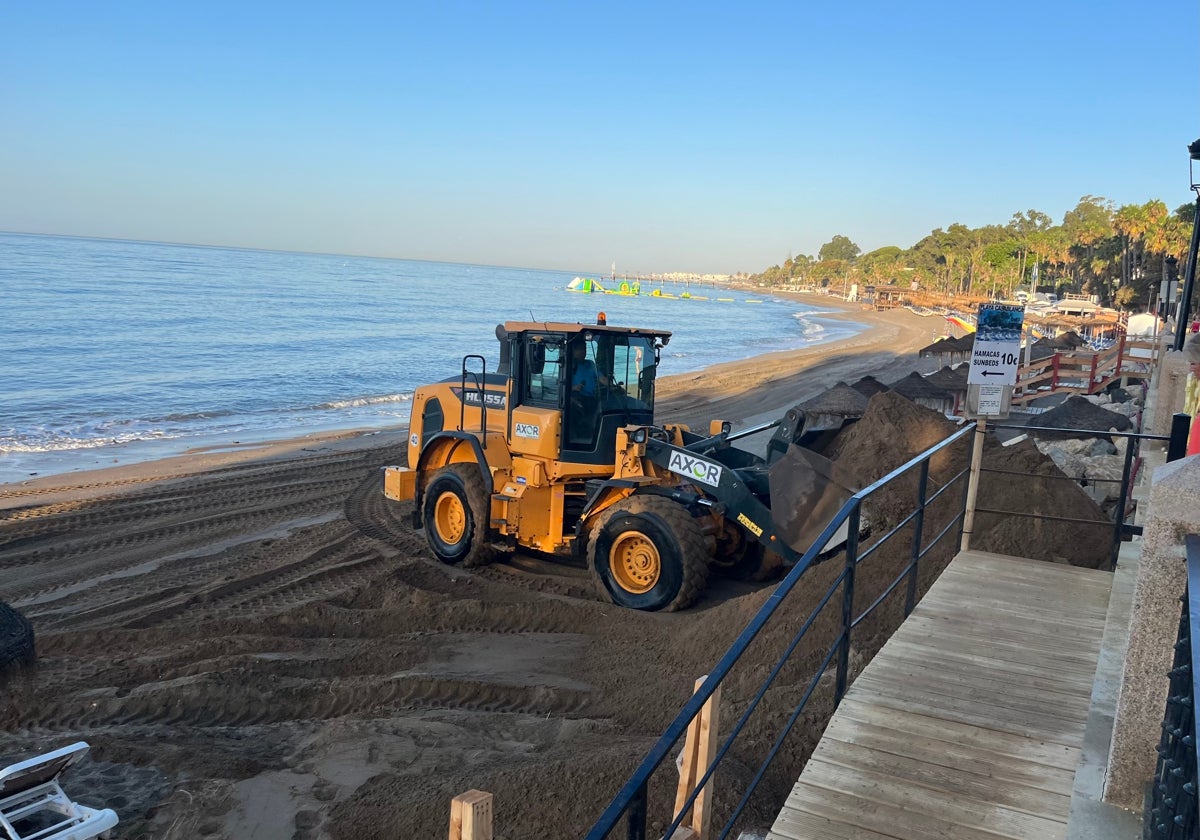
{"x": 358, "y": 402}
{"x": 56, "y": 442}
{"x": 189, "y": 416}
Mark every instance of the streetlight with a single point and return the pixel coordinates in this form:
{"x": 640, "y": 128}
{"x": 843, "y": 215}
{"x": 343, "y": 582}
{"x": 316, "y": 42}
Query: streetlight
{"x": 1189, "y": 281}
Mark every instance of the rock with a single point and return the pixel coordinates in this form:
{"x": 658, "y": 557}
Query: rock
{"x": 307, "y": 819}
{"x": 1068, "y": 446}
{"x": 1101, "y": 447}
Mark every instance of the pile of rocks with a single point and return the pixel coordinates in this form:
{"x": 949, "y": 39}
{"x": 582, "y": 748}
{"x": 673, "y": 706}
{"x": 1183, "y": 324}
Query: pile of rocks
{"x": 1091, "y": 458}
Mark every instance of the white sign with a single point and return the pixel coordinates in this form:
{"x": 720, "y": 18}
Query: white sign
{"x": 696, "y": 469}
{"x": 991, "y": 400}
{"x": 529, "y": 431}
{"x": 997, "y": 349}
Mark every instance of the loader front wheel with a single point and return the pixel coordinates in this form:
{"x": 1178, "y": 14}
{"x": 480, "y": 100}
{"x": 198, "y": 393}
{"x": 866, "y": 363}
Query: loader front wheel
{"x": 648, "y": 553}
{"x": 455, "y": 515}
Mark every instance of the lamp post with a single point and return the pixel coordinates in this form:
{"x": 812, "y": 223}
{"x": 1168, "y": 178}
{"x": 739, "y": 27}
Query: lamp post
{"x": 1189, "y": 280}
{"x": 1168, "y": 288}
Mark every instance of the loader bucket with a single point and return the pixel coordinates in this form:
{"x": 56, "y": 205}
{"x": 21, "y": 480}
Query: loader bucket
{"x": 807, "y": 491}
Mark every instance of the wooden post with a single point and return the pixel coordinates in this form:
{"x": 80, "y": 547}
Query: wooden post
{"x": 1054, "y": 379}
{"x": 973, "y": 483}
{"x": 699, "y": 747}
{"x": 471, "y": 816}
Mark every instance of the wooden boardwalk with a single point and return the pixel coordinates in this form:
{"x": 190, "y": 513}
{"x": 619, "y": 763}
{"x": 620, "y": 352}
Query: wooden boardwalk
{"x": 968, "y": 724}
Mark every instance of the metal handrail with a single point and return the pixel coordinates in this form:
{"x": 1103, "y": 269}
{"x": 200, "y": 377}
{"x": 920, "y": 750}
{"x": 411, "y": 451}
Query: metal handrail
{"x": 631, "y": 799}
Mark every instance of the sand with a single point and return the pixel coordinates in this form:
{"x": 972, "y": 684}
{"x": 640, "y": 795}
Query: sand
{"x": 257, "y": 645}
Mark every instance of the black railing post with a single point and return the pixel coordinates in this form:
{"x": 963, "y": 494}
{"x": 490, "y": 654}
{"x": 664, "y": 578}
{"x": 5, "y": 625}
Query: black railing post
{"x": 637, "y": 813}
{"x": 1177, "y": 445}
{"x": 1119, "y": 525}
{"x": 843, "y": 662}
{"x": 1189, "y": 282}
{"x": 910, "y": 597}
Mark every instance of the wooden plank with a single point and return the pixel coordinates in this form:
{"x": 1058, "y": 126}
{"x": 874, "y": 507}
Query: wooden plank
{"x": 945, "y": 630}
{"x": 978, "y": 557}
{"x": 980, "y": 705}
{"x": 706, "y": 749}
{"x": 1035, "y": 623}
{"x": 956, "y": 587}
{"x": 976, "y": 683}
{"x": 920, "y": 629}
{"x": 885, "y": 738}
{"x": 800, "y": 825}
{"x": 982, "y": 715}
{"x": 911, "y": 724}
{"x": 1007, "y": 599}
{"x": 1032, "y": 672}
{"x": 954, "y": 809}
{"x": 865, "y": 811}
{"x": 1068, "y": 579}
{"x": 1044, "y": 571}
{"x": 971, "y": 786}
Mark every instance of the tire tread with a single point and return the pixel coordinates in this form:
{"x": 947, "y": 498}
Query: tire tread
{"x": 693, "y": 548}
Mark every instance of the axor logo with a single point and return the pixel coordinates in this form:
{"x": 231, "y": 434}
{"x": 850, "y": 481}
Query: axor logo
{"x": 528, "y": 430}
{"x": 696, "y": 469}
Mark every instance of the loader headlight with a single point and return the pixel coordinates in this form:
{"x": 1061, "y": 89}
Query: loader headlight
{"x": 639, "y": 436}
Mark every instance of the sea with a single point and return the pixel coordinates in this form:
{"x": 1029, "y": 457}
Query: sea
{"x": 117, "y": 351}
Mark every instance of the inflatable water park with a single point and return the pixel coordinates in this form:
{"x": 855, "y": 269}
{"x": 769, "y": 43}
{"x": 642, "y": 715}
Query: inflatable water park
{"x": 633, "y": 288}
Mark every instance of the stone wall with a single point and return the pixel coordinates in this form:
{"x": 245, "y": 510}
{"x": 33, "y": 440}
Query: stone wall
{"x": 1174, "y": 511}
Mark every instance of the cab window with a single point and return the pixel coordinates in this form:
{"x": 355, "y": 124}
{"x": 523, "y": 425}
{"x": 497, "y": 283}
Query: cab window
{"x": 544, "y": 361}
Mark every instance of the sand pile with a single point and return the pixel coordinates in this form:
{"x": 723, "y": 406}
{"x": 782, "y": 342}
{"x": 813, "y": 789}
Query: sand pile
{"x": 1017, "y": 479}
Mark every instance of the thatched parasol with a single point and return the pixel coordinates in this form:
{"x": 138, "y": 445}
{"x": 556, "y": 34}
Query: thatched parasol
{"x": 950, "y": 379}
{"x": 917, "y": 387}
{"x": 942, "y": 345}
{"x": 869, "y": 386}
{"x": 964, "y": 344}
{"x": 841, "y": 400}
{"x": 1042, "y": 349}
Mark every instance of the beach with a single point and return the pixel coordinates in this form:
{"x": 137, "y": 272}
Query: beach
{"x": 256, "y": 644}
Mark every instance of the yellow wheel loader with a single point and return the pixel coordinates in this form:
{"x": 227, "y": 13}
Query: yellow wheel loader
{"x": 557, "y": 452}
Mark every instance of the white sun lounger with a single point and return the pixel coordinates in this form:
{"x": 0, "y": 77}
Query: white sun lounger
{"x": 33, "y": 805}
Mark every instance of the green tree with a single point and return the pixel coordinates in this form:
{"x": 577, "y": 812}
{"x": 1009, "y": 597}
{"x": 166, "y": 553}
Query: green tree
{"x": 839, "y": 248}
{"x": 1126, "y": 297}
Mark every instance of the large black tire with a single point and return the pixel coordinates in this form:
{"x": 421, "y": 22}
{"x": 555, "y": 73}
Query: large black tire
{"x": 648, "y": 553}
{"x": 456, "y": 514}
{"x": 16, "y": 639}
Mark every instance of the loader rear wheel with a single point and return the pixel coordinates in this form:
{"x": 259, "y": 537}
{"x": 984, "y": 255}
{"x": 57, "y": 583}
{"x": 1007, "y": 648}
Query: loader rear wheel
{"x": 455, "y": 515}
{"x": 648, "y": 553}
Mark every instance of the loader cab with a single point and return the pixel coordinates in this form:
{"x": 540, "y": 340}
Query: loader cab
{"x": 590, "y": 381}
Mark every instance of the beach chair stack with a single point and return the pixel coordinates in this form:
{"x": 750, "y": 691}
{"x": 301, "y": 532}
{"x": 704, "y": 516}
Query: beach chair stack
{"x": 33, "y": 805}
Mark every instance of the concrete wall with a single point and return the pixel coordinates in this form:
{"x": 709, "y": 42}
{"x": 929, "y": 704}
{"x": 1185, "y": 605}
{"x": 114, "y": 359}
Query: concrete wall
{"x": 1174, "y": 505}
{"x": 1169, "y": 390}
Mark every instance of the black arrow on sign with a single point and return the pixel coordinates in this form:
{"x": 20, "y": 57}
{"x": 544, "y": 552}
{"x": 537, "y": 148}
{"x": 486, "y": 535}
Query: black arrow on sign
{"x": 991, "y": 373}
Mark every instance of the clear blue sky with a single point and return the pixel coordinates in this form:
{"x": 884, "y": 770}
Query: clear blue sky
{"x": 660, "y": 136}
